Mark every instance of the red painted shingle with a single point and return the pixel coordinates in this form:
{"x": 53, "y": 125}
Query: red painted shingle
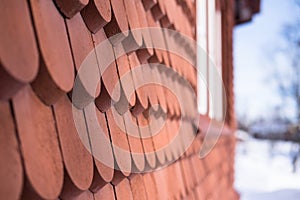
{"x": 56, "y": 73}
{"x": 120, "y": 143}
{"x": 11, "y": 172}
{"x": 85, "y": 62}
{"x": 70, "y": 7}
{"x": 118, "y": 25}
{"x": 101, "y": 147}
{"x": 96, "y": 14}
{"x": 77, "y": 158}
{"x": 39, "y": 144}
{"x": 107, "y": 192}
{"x": 123, "y": 190}
{"x": 18, "y": 50}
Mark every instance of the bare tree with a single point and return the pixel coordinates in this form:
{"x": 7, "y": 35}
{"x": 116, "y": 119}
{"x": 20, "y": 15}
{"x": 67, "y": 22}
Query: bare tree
{"x": 289, "y": 78}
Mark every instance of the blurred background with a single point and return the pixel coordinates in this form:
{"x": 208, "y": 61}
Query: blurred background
{"x": 267, "y": 100}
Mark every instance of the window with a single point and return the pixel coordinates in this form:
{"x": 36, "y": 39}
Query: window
{"x": 210, "y": 64}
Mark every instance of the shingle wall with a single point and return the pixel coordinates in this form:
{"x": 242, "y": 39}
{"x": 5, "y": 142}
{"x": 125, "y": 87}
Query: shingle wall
{"x": 43, "y": 45}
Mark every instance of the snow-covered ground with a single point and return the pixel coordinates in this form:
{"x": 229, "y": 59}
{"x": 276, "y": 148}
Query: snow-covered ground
{"x": 263, "y": 171}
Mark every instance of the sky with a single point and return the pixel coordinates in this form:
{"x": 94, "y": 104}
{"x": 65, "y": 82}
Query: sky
{"x": 255, "y": 89}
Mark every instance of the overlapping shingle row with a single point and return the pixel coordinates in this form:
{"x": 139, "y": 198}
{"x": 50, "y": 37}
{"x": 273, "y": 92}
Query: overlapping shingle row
{"x": 43, "y": 46}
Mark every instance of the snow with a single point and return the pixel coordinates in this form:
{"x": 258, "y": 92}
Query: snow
{"x": 263, "y": 171}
